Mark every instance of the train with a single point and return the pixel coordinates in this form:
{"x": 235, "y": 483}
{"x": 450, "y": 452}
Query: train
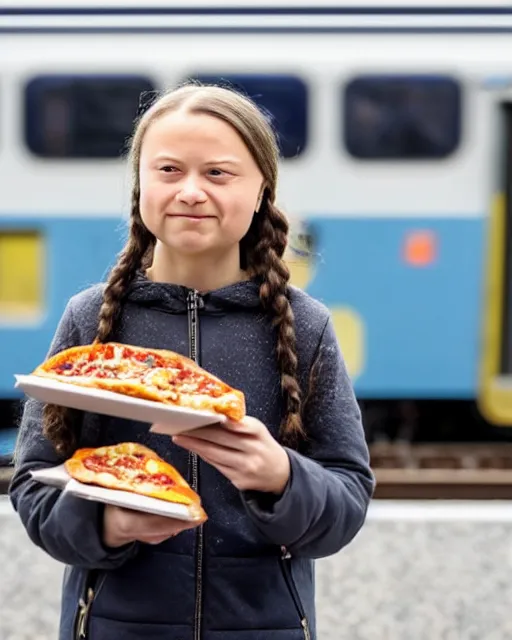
{"x": 395, "y": 128}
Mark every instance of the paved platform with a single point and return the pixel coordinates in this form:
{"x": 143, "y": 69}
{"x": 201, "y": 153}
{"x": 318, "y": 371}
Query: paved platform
{"x": 422, "y": 571}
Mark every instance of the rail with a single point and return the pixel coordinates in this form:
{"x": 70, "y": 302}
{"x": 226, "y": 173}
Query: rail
{"x": 5, "y": 478}
{"x": 423, "y": 472}
{"x": 446, "y": 471}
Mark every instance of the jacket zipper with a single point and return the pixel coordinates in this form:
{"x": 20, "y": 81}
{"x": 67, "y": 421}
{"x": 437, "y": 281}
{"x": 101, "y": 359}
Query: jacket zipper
{"x": 84, "y": 607}
{"x": 287, "y": 572}
{"x": 193, "y": 304}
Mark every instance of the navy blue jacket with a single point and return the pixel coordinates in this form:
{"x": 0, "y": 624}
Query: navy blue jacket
{"x": 257, "y": 559}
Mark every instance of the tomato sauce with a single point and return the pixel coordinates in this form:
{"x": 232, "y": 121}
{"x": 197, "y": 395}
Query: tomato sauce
{"x": 99, "y": 464}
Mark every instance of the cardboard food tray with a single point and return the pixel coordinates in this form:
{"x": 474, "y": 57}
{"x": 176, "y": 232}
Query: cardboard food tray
{"x": 58, "y": 477}
{"x": 169, "y": 420}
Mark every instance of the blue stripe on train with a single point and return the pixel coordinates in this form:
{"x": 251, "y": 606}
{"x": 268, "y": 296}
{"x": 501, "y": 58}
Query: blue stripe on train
{"x": 422, "y": 325}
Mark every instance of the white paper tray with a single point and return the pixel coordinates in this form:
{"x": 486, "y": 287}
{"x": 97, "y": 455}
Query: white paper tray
{"x": 59, "y": 477}
{"x": 169, "y": 420}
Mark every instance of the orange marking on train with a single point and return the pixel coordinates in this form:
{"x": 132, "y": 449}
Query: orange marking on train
{"x": 420, "y": 249}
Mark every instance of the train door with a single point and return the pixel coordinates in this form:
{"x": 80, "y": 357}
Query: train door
{"x": 495, "y": 388}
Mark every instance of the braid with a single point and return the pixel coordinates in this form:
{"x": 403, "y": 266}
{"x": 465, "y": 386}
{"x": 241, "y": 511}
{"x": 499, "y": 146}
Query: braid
{"x": 266, "y": 262}
{"x": 133, "y": 256}
{"x": 58, "y": 427}
{"x": 58, "y": 421}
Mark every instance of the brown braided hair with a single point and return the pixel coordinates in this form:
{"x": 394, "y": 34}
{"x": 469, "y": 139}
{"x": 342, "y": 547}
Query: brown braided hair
{"x": 58, "y": 421}
{"x": 264, "y": 245}
{"x": 261, "y": 250}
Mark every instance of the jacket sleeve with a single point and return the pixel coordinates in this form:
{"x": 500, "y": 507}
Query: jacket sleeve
{"x": 66, "y": 527}
{"x": 331, "y": 484}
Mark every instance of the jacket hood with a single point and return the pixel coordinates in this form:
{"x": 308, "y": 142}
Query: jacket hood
{"x": 172, "y": 298}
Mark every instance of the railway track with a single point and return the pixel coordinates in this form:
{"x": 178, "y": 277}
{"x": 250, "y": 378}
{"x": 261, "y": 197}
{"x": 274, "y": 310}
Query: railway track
{"x": 5, "y": 477}
{"x": 425, "y": 472}
{"x": 443, "y": 471}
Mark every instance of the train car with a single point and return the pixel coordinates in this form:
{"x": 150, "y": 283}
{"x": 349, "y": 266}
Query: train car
{"x": 394, "y": 123}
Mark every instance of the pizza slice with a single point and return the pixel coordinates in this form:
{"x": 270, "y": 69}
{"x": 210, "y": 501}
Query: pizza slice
{"x": 151, "y": 374}
{"x": 135, "y": 468}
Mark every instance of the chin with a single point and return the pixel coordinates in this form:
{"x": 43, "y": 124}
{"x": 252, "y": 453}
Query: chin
{"x": 190, "y": 246}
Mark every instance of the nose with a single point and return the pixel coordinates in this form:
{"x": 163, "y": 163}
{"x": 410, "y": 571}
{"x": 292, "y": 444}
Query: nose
{"x": 191, "y": 192}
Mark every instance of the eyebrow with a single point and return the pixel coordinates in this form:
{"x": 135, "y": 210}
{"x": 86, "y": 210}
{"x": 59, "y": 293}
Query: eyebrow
{"x": 162, "y": 157}
{"x": 226, "y": 160}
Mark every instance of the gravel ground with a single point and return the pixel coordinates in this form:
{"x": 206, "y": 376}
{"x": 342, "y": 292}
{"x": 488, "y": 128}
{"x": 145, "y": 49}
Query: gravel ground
{"x": 405, "y": 577}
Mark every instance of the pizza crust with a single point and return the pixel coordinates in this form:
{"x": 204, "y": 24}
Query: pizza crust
{"x": 149, "y": 464}
{"x": 150, "y": 374}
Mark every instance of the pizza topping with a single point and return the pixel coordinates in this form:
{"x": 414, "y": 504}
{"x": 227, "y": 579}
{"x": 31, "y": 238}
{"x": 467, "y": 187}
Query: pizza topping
{"x": 159, "y": 479}
{"x": 134, "y": 467}
{"x": 149, "y": 361}
{"x": 123, "y": 364}
{"x": 150, "y": 374}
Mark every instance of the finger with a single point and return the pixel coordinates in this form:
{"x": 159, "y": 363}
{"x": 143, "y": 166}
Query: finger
{"x": 224, "y": 469}
{"x": 140, "y": 519}
{"x": 219, "y": 435}
{"x": 246, "y": 426}
{"x": 154, "y": 539}
{"x": 164, "y": 428}
{"x": 159, "y": 536}
{"x": 210, "y": 451}
{"x": 150, "y": 525}
{"x": 231, "y": 473}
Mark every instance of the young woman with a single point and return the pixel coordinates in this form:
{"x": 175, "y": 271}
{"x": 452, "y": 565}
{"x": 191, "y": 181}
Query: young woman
{"x": 202, "y": 274}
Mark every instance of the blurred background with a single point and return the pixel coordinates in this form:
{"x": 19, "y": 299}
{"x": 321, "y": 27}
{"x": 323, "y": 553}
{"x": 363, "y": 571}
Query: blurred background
{"x": 395, "y": 127}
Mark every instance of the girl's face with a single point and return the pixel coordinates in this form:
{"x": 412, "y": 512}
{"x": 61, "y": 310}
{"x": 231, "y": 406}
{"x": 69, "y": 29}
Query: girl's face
{"x": 199, "y": 184}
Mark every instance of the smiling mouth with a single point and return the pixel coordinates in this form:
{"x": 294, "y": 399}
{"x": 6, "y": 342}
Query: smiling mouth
{"x": 189, "y": 216}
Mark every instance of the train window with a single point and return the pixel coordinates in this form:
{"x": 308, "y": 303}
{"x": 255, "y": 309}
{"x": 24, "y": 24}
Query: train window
{"x": 401, "y": 117}
{"x": 81, "y": 116}
{"x": 283, "y": 98}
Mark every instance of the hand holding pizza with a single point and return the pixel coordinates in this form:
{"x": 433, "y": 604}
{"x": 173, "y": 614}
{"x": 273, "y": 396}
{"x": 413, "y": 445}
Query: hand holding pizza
{"x": 122, "y": 526}
{"x": 245, "y": 452}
